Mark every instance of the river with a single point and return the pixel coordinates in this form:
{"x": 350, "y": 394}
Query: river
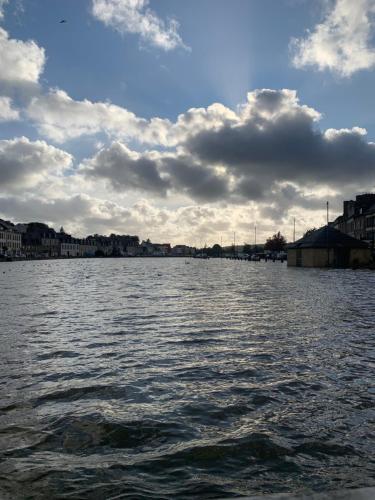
{"x": 174, "y": 378}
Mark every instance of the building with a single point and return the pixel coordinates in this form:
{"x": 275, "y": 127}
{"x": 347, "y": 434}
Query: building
{"x": 123, "y": 245}
{"x": 87, "y": 249}
{"x": 50, "y": 246}
{"x": 328, "y": 247}
{"x": 358, "y": 219}
{"x": 39, "y": 240}
{"x": 162, "y": 249}
{"x": 70, "y": 248}
{"x": 182, "y": 251}
{"x": 10, "y": 239}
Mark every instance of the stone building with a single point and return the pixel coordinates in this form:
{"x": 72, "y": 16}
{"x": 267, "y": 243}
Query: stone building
{"x": 328, "y": 247}
{"x": 39, "y": 240}
{"x": 87, "y": 248}
{"x": 182, "y": 251}
{"x": 10, "y": 239}
{"x": 358, "y": 218}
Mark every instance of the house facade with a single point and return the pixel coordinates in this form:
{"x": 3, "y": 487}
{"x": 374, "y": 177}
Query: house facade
{"x": 358, "y": 218}
{"x": 10, "y": 239}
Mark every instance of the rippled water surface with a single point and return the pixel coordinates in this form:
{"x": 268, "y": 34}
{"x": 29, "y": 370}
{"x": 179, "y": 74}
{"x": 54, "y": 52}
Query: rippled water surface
{"x": 158, "y": 378}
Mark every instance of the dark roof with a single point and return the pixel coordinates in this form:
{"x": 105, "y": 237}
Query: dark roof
{"x": 370, "y": 210}
{"x": 328, "y": 237}
{"x": 6, "y": 225}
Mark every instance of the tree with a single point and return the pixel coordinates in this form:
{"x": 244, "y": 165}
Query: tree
{"x": 276, "y": 243}
{"x": 248, "y": 249}
{"x": 216, "y": 251}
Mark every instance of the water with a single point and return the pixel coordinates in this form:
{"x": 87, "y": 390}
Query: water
{"x": 153, "y": 378}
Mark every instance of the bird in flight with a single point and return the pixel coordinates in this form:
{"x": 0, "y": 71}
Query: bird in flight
{"x": 63, "y": 21}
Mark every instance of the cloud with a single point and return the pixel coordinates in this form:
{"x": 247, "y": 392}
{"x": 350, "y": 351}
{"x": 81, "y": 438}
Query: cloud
{"x": 278, "y": 140}
{"x": 342, "y": 42}
{"x": 126, "y": 170}
{"x": 7, "y": 113}
{"x": 154, "y": 172}
{"x": 82, "y": 215}
{"x": 272, "y": 141}
{"x": 20, "y": 62}
{"x": 134, "y": 16}
{"x": 61, "y": 118}
{"x": 260, "y": 161}
{"x": 24, "y": 164}
{"x": 199, "y": 182}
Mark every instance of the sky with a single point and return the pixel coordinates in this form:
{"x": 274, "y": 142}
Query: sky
{"x": 185, "y": 121}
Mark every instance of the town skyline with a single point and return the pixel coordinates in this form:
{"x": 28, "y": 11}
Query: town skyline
{"x": 38, "y": 238}
{"x": 172, "y": 126}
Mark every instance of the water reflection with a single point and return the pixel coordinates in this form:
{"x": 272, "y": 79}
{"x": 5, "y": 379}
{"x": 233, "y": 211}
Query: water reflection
{"x": 155, "y": 379}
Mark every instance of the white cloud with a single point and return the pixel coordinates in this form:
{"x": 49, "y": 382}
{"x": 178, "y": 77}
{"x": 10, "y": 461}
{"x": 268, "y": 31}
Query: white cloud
{"x": 7, "y": 112}
{"x": 60, "y": 118}
{"x": 134, "y": 16}
{"x": 342, "y": 42}
{"x": 20, "y": 62}
{"x": 25, "y": 164}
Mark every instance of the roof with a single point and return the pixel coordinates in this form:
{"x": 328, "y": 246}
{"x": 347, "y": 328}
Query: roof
{"x": 328, "y": 237}
{"x": 370, "y": 210}
{"x": 6, "y": 226}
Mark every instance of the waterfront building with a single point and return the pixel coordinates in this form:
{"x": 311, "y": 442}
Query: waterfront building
{"x": 121, "y": 244}
{"x": 147, "y": 249}
{"x": 162, "y": 249}
{"x": 133, "y": 251}
{"x": 87, "y": 248}
{"x": 104, "y": 245}
{"x": 328, "y": 247}
{"x": 39, "y": 240}
{"x": 10, "y": 239}
{"x": 50, "y": 246}
{"x": 358, "y": 219}
{"x": 182, "y": 251}
{"x": 70, "y": 248}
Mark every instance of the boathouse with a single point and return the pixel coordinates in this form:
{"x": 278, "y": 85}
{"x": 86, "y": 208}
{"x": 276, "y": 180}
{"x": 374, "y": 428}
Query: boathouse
{"x": 328, "y": 247}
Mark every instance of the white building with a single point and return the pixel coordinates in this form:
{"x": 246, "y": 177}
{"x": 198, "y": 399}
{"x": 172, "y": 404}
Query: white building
{"x": 69, "y": 249}
{"x": 10, "y": 239}
{"x": 87, "y": 249}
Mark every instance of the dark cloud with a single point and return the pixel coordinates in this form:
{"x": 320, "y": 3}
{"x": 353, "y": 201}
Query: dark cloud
{"x": 274, "y": 142}
{"x": 24, "y": 163}
{"x": 56, "y": 211}
{"x": 197, "y": 181}
{"x": 156, "y": 173}
{"x": 287, "y": 148}
{"x": 126, "y": 170}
